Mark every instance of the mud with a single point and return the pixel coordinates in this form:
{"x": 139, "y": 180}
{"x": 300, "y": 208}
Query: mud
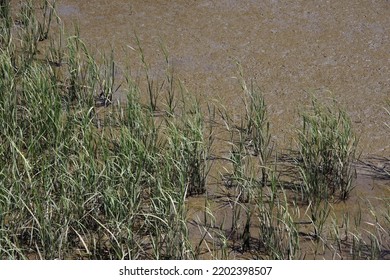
{"x": 292, "y": 49}
{"x": 333, "y": 49}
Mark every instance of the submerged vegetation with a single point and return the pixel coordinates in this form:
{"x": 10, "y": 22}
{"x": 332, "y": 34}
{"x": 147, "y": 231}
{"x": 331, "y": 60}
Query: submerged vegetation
{"x": 85, "y": 177}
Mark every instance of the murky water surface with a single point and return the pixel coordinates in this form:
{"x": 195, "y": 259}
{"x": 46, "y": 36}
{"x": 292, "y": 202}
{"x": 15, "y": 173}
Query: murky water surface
{"x": 292, "y": 48}
{"x": 332, "y": 49}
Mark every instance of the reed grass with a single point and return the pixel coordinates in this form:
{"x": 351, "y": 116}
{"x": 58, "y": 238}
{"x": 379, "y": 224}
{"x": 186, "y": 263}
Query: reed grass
{"x": 79, "y": 180}
{"x": 5, "y": 23}
{"x": 278, "y": 234}
{"x": 5, "y": 8}
{"x": 327, "y": 148}
{"x": 257, "y": 126}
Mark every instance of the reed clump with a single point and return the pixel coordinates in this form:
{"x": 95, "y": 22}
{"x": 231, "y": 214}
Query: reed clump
{"x": 84, "y": 176}
{"x": 76, "y": 183}
{"x": 327, "y": 152}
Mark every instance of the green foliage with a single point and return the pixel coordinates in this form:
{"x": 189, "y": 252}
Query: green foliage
{"x": 83, "y": 177}
{"x": 327, "y": 149}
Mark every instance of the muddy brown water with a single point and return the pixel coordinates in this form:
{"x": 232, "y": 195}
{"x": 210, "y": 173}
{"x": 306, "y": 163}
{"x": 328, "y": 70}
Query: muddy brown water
{"x": 292, "y": 49}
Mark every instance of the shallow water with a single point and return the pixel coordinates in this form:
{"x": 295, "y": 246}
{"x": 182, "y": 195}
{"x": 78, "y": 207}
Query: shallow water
{"x": 332, "y": 49}
{"x": 329, "y": 48}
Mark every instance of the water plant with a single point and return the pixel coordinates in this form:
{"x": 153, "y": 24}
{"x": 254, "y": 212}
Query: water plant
{"x": 327, "y": 149}
{"x": 278, "y": 233}
{"x": 257, "y": 126}
{"x": 83, "y": 181}
{"x": 4, "y": 8}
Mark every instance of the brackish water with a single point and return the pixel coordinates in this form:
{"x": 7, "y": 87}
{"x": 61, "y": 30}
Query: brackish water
{"x": 292, "y": 49}
{"x": 334, "y": 49}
